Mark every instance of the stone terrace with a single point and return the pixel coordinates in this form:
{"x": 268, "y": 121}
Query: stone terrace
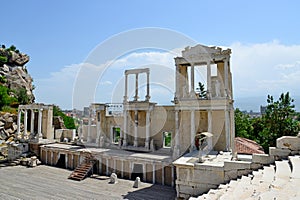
{"x": 46, "y": 182}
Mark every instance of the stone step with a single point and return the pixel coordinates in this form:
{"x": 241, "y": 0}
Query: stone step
{"x": 283, "y": 170}
{"x": 268, "y": 174}
{"x": 295, "y": 161}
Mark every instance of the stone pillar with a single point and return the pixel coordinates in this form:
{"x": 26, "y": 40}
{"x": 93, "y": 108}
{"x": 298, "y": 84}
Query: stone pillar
{"x": 66, "y": 161}
{"x": 193, "y": 132}
{"x": 98, "y": 116}
{"x": 136, "y": 97}
{"x": 25, "y": 123}
{"x": 227, "y": 129}
{"x": 177, "y": 84}
{"x": 107, "y": 166}
{"x": 232, "y": 130}
{"x": 192, "y": 79}
{"x": 100, "y": 165}
{"x": 147, "y": 129}
{"x": 89, "y": 126}
{"x": 19, "y": 122}
{"x": 144, "y": 172}
{"x": 173, "y": 175}
{"x": 126, "y": 85}
{"x": 122, "y": 168}
{"x": 209, "y": 117}
{"x": 125, "y": 129}
{"x": 80, "y": 130}
{"x": 153, "y": 173}
{"x": 208, "y": 80}
{"x": 115, "y": 166}
{"x": 135, "y": 142}
{"x": 148, "y": 87}
{"x": 130, "y": 169}
{"x": 46, "y": 157}
{"x": 226, "y": 77}
{"x": 162, "y": 174}
{"x": 51, "y": 157}
{"x": 176, "y": 146}
{"x": 40, "y": 124}
{"x": 32, "y": 122}
{"x": 72, "y": 161}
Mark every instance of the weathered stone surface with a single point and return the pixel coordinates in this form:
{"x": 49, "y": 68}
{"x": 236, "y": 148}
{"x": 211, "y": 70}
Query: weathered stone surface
{"x": 288, "y": 142}
{"x": 279, "y": 153}
{"x": 58, "y": 122}
{"x": 262, "y": 159}
{"x": 230, "y": 165}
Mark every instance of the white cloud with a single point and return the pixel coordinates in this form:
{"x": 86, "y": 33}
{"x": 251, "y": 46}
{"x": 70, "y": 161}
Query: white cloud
{"x": 257, "y": 69}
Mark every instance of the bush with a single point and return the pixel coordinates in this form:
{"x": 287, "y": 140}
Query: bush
{"x": 5, "y": 99}
{"x": 68, "y": 121}
{"x": 3, "y": 60}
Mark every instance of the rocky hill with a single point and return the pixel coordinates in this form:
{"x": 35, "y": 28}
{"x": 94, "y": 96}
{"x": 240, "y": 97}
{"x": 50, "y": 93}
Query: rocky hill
{"x": 13, "y": 72}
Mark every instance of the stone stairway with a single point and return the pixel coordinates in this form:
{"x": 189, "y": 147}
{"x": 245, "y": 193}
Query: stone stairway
{"x": 279, "y": 181}
{"x": 82, "y": 171}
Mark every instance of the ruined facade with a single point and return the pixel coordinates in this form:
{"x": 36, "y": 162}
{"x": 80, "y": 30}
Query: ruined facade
{"x": 145, "y": 138}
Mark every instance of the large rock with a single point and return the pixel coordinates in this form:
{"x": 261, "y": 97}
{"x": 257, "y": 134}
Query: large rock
{"x": 58, "y": 122}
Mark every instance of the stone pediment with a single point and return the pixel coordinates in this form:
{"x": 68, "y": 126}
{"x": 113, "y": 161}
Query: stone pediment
{"x": 203, "y": 53}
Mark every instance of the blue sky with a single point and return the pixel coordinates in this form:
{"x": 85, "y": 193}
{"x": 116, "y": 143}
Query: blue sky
{"x": 60, "y": 35}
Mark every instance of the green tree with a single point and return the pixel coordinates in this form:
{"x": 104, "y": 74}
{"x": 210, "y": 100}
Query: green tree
{"x": 5, "y": 99}
{"x": 201, "y": 90}
{"x": 22, "y": 96}
{"x": 68, "y": 121}
{"x": 278, "y": 119}
{"x": 243, "y": 126}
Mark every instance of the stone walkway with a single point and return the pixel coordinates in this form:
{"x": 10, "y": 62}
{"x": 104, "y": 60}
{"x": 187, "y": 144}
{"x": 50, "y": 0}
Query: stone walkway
{"x": 45, "y": 182}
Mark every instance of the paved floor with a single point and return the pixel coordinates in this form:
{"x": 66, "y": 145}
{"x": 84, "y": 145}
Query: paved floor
{"x": 45, "y": 182}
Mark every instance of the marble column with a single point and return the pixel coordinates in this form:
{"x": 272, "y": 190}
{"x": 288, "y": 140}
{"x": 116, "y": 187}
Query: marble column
{"x": 209, "y": 128}
{"x": 153, "y": 173}
{"x": 107, "y": 166}
{"x": 227, "y": 129}
{"x": 66, "y": 160}
{"x": 32, "y": 122}
{"x": 226, "y": 77}
{"x": 125, "y": 129}
{"x": 162, "y": 174}
{"x": 126, "y": 88}
{"x": 144, "y": 172}
{"x": 98, "y": 113}
{"x": 100, "y": 165}
{"x": 19, "y": 122}
{"x": 192, "y": 79}
{"x": 173, "y": 175}
{"x": 193, "y": 133}
{"x": 89, "y": 126}
{"x": 136, "y": 97}
{"x": 232, "y": 130}
{"x": 176, "y": 146}
{"x": 25, "y": 123}
{"x": 46, "y": 157}
{"x": 135, "y": 142}
{"x": 51, "y": 157}
{"x": 40, "y": 124}
{"x": 177, "y": 84}
{"x": 208, "y": 93}
{"x": 147, "y": 129}
{"x": 122, "y": 168}
{"x": 148, "y": 87}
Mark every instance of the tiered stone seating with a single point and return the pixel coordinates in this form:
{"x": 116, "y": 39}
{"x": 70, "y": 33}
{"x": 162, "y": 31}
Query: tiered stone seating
{"x": 281, "y": 181}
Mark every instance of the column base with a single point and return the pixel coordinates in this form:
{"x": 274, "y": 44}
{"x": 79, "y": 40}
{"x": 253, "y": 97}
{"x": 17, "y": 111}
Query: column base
{"x": 124, "y": 143}
{"x": 135, "y": 143}
{"x": 147, "y": 145}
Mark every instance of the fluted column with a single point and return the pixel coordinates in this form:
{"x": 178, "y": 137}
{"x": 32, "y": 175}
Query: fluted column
{"x": 32, "y": 121}
{"x": 136, "y": 97}
{"x": 147, "y": 129}
{"x": 176, "y": 146}
{"x": 125, "y": 129}
{"x": 226, "y": 77}
{"x": 227, "y": 129}
{"x": 208, "y": 93}
{"x": 192, "y": 79}
{"x": 209, "y": 128}
{"x": 19, "y": 122}
{"x": 126, "y": 85}
{"x": 40, "y": 123}
{"x": 25, "y": 123}
{"x": 148, "y": 87}
{"x": 135, "y": 142}
{"x": 192, "y": 130}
